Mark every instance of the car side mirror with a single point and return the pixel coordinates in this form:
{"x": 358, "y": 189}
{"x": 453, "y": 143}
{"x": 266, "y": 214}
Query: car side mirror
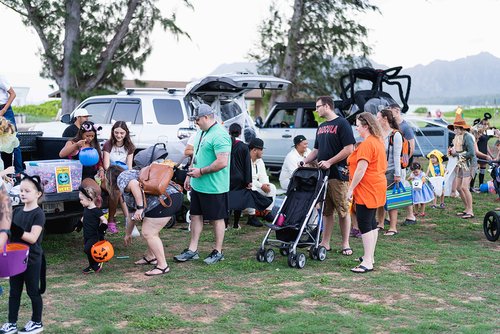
{"x": 259, "y": 122}
{"x": 66, "y": 118}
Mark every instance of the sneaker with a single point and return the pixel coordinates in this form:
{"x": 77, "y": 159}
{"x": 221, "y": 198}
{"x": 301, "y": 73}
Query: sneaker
{"x": 214, "y": 257}
{"x": 187, "y": 255}
{"x": 269, "y": 217}
{"x": 32, "y": 327}
{"x": 8, "y": 328}
{"x": 252, "y": 221}
{"x": 90, "y": 270}
{"x": 112, "y": 227}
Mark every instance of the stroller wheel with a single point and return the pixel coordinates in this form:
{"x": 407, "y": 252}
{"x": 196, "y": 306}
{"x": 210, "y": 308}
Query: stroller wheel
{"x": 321, "y": 253}
{"x": 292, "y": 260}
{"x": 313, "y": 253}
{"x": 260, "y": 255}
{"x": 284, "y": 251}
{"x": 491, "y": 226}
{"x": 301, "y": 260}
{"x": 269, "y": 255}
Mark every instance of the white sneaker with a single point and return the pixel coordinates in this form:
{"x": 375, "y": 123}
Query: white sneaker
{"x": 32, "y": 327}
{"x": 8, "y": 328}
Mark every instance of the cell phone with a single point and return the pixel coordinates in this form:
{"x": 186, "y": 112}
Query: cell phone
{"x": 490, "y": 132}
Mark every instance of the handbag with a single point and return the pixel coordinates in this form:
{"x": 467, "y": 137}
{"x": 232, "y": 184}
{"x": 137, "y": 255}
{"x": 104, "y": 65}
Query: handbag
{"x": 398, "y": 197}
{"x": 154, "y": 179}
{"x": 13, "y": 259}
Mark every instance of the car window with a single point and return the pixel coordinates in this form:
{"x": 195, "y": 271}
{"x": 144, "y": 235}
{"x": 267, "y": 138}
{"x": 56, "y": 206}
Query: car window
{"x": 126, "y": 111}
{"x": 98, "y": 110}
{"x": 168, "y": 111}
{"x": 308, "y": 119}
{"x": 229, "y": 110}
{"x": 283, "y": 118}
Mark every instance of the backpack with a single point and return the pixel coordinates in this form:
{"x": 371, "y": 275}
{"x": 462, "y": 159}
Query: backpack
{"x": 405, "y": 150}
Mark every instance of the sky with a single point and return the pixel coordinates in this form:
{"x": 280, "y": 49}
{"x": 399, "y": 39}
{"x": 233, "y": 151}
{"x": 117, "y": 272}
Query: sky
{"x": 405, "y": 32}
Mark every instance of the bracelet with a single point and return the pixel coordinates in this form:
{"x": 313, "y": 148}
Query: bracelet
{"x": 5, "y": 231}
{"x": 201, "y": 173}
{"x": 139, "y": 207}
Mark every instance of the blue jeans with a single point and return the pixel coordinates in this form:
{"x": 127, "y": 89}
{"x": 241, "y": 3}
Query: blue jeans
{"x": 18, "y": 159}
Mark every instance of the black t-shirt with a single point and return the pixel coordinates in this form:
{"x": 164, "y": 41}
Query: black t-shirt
{"x": 241, "y": 166}
{"x": 91, "y": 221}
{"x": 482, "y": 143}
{"x": 26, "y": 220}
{"x": 70, "y": 131}
{"x": 331, "y": 137}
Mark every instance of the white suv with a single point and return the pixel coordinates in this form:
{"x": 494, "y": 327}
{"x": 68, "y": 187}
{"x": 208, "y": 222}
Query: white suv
{"x": 162, "y": 115}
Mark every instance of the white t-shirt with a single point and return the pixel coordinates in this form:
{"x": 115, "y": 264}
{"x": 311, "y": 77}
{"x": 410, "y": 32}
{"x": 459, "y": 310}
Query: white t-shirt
{"x": 4, "y": 87}
{"x": 290, "y": 165}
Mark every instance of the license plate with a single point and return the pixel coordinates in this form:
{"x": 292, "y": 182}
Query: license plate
{"x": 53, "y": 207}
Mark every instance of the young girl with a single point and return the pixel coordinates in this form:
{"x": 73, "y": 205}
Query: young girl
{"x": 118, "y": 149}
{"x": 94, "y": 225}
{"x": 27, "y": 226}
{"x": 421, "y": 192}
{"x": 436, "y": 172}
{"x": 86, "y": 137}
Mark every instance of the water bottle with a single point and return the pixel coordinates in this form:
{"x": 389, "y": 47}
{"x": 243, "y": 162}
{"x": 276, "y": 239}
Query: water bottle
{"x": 281, "y": 219}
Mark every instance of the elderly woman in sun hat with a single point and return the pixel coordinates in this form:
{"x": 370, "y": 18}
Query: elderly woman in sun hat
{"x": 464, "y": 149}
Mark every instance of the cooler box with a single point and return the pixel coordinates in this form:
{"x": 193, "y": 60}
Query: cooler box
{"x": 69, "y": 174}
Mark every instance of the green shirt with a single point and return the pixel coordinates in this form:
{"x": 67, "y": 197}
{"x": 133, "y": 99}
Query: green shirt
{"x": 213, "y": 141}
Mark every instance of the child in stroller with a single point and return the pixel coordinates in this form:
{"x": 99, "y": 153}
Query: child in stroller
{"x": 297, "y": 223}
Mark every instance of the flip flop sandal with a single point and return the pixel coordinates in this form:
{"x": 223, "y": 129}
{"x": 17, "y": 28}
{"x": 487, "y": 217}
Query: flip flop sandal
{"x": 346, "y": 251}
{"x": 163, "y": 271}
{"x": 361, "y": 269}
{"x": 459, "y": 214}
{"x": 360, "y": 259}
{"x": 145, "y": 261}
{"x": 467, "y": 216}
{"x": 390, "y": 233}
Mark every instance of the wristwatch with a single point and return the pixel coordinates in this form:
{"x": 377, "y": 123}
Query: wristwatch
{"x": 138, "y": 207}
{"x": 5, "y": 231}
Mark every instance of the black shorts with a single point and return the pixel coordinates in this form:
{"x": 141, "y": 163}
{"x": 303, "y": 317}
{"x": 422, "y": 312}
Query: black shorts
{"x": 210, "y": 206}
{"x": 161, "y": 212}
{"x": 366, "y": 218}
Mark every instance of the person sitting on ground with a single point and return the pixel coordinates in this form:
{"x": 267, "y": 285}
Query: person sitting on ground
{"x": 78, "y": 117}
{"x": 260, "y": 181}
{"x": 297, "y": 154}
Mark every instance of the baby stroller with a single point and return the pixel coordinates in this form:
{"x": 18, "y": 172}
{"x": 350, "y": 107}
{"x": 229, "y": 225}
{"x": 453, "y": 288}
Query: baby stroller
{"x": 298, "y": 221}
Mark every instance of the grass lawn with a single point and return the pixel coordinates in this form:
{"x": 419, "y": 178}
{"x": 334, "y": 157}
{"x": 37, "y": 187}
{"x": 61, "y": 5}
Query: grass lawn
{"x": 439, "y": 276}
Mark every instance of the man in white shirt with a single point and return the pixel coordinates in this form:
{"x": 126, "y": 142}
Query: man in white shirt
{"x": 292, "y": 159}
{"x": 7, "y": 96}
{"x": 260, "y": 180}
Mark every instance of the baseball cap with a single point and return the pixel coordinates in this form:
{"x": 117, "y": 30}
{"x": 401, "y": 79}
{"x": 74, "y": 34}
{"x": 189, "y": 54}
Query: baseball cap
{"x": 256, "y": 143}
{"x": 81, "y": 112}
{"x": 298, "y": 139}
{"x": 202, "y": 110}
